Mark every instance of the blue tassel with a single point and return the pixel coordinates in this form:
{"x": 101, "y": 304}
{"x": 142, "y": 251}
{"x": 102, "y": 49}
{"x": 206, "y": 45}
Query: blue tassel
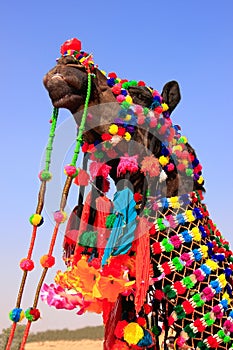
{"x": 122, "y": 234}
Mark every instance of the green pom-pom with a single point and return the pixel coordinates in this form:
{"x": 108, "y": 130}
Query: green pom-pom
{"x": 99, "y": 155}
{"x": 179, "y": 312}
{"x": 189, "y": 331}
{"x": 189, "y": 172}
{"x": 125, "y": 85}
{"x": 177, "y": 263}
{"x": 125, "y": 104}
{"x": 202, "y": 346}
{"x": 146, "y": 110}
{"x": 156, "y": 330}
{"x": 45, "y": 175}
{"x": 171, "y": 294}
{"x": 88, "y": 239}
{"x": 110, "y": 220}
{"x": 133, "y": 83}
{"x": 188, "y": 282}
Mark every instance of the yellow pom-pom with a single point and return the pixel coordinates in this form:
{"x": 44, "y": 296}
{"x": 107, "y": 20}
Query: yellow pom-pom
{"x": 227, "y": 297}
{"x": 163, "y": 160}
{"x": 189, "y": 215}
{"x": 222, "y": 280}
{"x": 127, "y": 136}
{"x": 204, "y": 250}
{"x": 133, "y": 333}
{"x": 165, "y": 107}
{"x": 196, "y": 234}
{"x": 211, "y": 264}
{"x": 128, "y": 99}
{"x": 128, "y": 117}
{"x": 200, "y": 180}
{"x": 177, "y": 148}
{"x": 113, "y": 129}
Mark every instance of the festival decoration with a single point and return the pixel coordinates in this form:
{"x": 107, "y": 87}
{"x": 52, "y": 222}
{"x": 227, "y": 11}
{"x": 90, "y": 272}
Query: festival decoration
{"x": 151, "y": 260}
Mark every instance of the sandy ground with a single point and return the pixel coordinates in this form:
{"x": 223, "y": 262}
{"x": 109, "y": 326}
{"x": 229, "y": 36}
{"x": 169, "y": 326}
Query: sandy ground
{"x": 62, "y": 345}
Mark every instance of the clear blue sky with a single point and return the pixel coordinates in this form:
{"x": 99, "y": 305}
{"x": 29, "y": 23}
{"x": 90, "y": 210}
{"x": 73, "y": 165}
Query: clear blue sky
{"x": 155, "y": 41}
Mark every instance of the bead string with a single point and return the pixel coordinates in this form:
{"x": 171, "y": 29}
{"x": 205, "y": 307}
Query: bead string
{"x": 27, "y": 264}
{"x": 60, "y": 216}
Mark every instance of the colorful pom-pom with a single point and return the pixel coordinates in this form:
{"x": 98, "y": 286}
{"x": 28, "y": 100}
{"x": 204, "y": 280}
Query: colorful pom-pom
{"x": 36, "y": 220}
{"x": 47, "y": 261}
{"x": 71, "y": 170}
{"x": 26, "y": 264}
{"x": 32, "y": 314}
{"x": 60, "y": 216}
{"x": 45, "y": 175}
{"x": 133, "y": 333}
{"x": 16, "y": 315}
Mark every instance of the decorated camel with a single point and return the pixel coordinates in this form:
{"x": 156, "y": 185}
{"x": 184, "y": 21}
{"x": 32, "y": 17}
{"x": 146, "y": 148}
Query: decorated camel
{"x": 150, "y": 260}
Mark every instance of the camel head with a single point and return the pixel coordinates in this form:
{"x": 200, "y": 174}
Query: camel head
{"x": 67, "y": 85}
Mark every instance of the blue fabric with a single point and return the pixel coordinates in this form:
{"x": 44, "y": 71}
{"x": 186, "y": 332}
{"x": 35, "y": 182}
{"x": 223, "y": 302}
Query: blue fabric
{"x": 122, "y": 234}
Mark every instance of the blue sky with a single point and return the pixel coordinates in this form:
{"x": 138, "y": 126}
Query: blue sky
{"x": 155, "y": 41}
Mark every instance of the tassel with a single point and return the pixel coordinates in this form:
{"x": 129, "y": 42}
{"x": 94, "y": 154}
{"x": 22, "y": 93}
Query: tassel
{"x": 142, "y": 262}
{"x": 122, "y": 234}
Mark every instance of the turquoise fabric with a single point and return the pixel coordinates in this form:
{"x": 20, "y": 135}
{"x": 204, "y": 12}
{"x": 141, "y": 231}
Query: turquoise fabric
{"x": 122, "y": 233}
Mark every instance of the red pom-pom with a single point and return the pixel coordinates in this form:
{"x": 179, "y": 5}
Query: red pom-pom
{"x": 82, "y": 179}
{"x": 116, "y": 89}
{"x": 141, "y": 321}
{"x": 141, "y": 83}
{"x": 121, "y": 131}
{"x": 106, "y": 137}
{"x": 159, "y": 294}
{"x": 71, "y": 44}
{"x": 156, "y": 247}
{"x": 166, "y": 268}
{"x": 181, "y": 167}
{"x": 178, "y": 286}
{"x": 212, "y": 341}
{"x": 152, "y": 230}
{"x": 35, "y": 313}
{"x": 47, "y": 261}
{"x": 119, "y": 330}
{"x": 199, "y": 325}
{"x": 147, "y": 308}
{"x": 85, "y": 147}
{"x": 171, "y": 320}
{"x": 137, "y": 197}
{"x": 188, "y": 308}
{"x": 26, "y": 264}
{"x": 112, "y": 75}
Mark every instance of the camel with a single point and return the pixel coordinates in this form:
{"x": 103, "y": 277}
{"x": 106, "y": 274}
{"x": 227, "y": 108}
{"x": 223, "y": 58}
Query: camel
{"x": 150, "y": 260}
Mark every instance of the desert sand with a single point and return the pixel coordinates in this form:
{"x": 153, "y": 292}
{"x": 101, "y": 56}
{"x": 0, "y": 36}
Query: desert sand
{"x": 64, "y": 345}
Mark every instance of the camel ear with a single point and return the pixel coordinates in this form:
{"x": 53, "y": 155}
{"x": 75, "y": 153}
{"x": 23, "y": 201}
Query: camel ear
{"x": 171, "y": 95}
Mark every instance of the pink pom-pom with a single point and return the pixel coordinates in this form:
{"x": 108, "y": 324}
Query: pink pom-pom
{"x": 26, "y": 264}
{"x": 153, "y": 122}
{"x": 138, "y": 109}
{"x": 120, "y": 98}
{"x": 170, "y": 167}
{"x": 70, "y": 170}
{"x": 60, "y": 216}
